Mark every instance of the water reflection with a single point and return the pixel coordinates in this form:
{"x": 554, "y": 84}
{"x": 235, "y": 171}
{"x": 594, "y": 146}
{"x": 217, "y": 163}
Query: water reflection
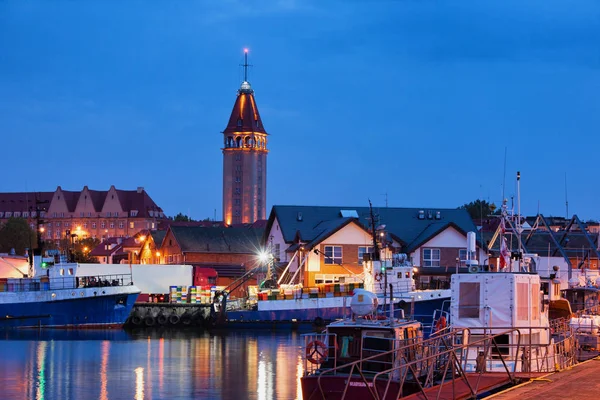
{"x": 150, "y": 365}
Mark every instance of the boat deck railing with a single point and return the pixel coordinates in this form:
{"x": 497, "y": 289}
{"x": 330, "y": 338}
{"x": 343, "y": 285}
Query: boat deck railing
{"x": 451, "y": 355}
{"x": 67, "y": 282}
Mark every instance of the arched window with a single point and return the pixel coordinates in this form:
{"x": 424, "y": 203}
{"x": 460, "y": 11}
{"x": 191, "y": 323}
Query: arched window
{"x": 238, "y": 141}
{"x": 239, "y": 122}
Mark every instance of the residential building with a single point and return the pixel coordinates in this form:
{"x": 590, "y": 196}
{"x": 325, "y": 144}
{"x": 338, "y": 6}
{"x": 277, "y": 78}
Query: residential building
{"x": 86, "y": 213}
{"x": 244, "y": 160}
{"x": 229, "y": 251}
{"x": 326, "y": 244}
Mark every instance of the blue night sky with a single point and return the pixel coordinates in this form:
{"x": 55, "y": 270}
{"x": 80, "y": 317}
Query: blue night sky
{"x": 416, "y": 99}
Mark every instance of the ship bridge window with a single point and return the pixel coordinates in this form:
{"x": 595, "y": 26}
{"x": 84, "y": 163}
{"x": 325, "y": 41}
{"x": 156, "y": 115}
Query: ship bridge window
{"x": 468, "y": 300}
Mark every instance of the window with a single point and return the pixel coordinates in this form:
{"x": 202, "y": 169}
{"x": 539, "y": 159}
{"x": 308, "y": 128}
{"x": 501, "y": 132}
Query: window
{"x": 54, "y": 214}
{"x": 237, "y": 190}
{"x": 116, "y": 214}
{"x": 468, "y": 294}
{"x": 462, "y": 255}
{"x": 81, "y": 214}
{"x": 237, "y": 212}
{"x": 121, "y": 225}
{"x": 333, "y": 254}
{"x": 66, "y": 224}
{"x": 1, "y": 214}
{"x": 522, "y": 301}
{"x": 112, "y": 225}
{"x": 17, "y": 214}
{"x": 103, "y": 225}
{"x": 238, "y": 157}
{"x": 89, "y": 214}
{"x": 8, "y": 214}
{"x": 237, "y": 202}
{"x": 25, "y": 214}
{"x": 237, "y": 179}
{"x": 93, "y": 225}
{"x": 431, "y": 257}
{"x": 134, "y": 213}
{"x": 85, "y": 225}
{"x": 131, "y": 225}
{"x": 33, "y": 214}
{"x": 58, "y": 224}
{"x": 277, "y": 250}
{"x": 108, "y": 214}
{"x": 362, "y": 250}
{"x": 62, "y": 214}
{"x": 239, "y": 122}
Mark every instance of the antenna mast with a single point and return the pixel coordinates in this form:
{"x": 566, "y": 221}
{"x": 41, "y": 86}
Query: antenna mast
{"x": 504, "y": 176}
{"x": 566, "y": 198}
{"x": 519, "y": 229}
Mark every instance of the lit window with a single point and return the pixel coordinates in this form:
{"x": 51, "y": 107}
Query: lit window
{"x": 333, "y": 254}
{"x": 431, "y": 257}
{"x": 362, "y": 250}
{"x": 131, "y": 225}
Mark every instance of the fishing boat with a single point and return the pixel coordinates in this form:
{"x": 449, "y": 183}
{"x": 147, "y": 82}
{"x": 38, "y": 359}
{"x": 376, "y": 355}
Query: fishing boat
{"x": 388, "y": 275}
{"x": 515, "y": 303}
{"x": 342, "y": 362}
{"x": 53, "y": 296}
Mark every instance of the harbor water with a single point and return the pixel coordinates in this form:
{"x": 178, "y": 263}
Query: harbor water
{"x": 106, "y": 365}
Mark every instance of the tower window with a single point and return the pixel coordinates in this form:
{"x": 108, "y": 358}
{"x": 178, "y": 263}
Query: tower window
{"x": 237, "y": 190}
{"x": 239, "y": 122}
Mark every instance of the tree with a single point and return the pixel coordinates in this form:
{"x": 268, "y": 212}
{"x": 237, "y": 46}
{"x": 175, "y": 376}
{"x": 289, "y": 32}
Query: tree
{"x": 82, "y": 249}
{"x": 17, "y": 234}
{"x": 479, "y": 209}
{"x": 182, "y": 218}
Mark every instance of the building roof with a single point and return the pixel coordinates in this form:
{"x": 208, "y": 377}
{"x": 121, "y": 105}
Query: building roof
{"x": 129, "y": 199}
{"x": 244, "y": 115}
{"x": 409, "y": 226}
{"x": 199, "y": 239}
{"x": 23, "y": 201}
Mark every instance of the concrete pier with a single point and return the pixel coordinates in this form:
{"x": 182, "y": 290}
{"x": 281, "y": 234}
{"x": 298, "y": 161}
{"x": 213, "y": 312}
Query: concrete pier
{"x": 581, "y": 381}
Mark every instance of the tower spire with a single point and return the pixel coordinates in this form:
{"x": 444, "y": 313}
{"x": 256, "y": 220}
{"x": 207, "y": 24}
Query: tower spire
{"x": 245, "y": 65}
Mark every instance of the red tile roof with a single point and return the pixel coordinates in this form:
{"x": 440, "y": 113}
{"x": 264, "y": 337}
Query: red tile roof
{"x": 130, "y": 200}
{"x": 245, "y": 116}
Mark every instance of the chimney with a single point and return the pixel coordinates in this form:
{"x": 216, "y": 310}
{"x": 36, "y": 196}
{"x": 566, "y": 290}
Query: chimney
{"x": 140, "y": 189}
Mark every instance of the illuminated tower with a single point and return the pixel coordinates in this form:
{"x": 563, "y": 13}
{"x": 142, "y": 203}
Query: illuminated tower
{"x": 244, "y": 159}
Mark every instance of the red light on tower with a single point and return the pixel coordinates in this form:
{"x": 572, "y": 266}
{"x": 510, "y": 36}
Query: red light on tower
{"x": 245, "y": 50}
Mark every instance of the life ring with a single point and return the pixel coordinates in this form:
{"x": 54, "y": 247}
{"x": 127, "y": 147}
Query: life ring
{"x": 378, "y": 277}
{"x": 316, "y": 352}
{"x": 149, "y": 321}
{"x": 441, "y": 324}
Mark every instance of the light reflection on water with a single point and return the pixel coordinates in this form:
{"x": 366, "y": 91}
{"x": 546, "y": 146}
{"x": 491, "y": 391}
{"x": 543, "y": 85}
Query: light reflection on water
{"x": 109, "y": 365}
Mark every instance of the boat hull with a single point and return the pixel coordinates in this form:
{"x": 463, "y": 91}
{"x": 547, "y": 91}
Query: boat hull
{"x": 333, "y": 387}
{"x": 81, "y": 308}
{"x": 293, "y": 314}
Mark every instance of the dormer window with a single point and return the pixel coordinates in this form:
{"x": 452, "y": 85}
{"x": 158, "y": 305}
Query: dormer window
{"x": 239, "y": 122}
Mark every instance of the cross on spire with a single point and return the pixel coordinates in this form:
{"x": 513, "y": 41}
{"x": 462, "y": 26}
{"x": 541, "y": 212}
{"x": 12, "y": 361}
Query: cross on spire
{"x": 246, "y": 65}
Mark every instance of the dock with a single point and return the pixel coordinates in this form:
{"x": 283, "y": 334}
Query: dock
{"x": 580, "y": 381}
{"x": 459, "y": 389}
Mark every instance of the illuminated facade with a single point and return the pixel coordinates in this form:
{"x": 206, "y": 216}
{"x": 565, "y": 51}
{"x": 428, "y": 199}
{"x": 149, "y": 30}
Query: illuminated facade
{"x": 84, "y": 214}
{"x": 244, "y": 160}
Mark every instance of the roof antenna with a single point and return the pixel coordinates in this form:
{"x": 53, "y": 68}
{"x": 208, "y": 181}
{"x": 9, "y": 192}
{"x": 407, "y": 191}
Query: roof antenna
{"x": 566, "y": 198}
